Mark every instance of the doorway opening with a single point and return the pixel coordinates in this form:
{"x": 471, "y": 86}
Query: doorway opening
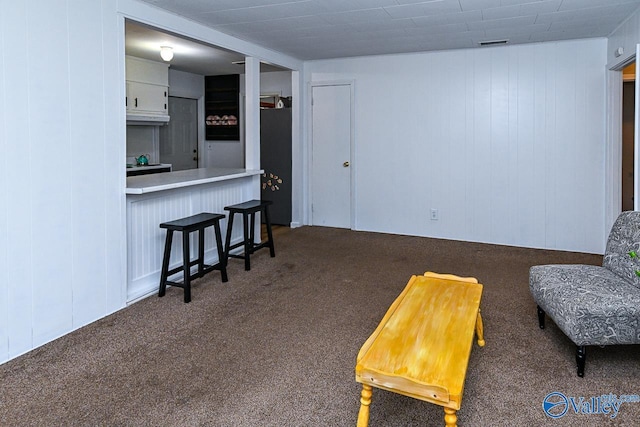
{"x": 628, "y": 129}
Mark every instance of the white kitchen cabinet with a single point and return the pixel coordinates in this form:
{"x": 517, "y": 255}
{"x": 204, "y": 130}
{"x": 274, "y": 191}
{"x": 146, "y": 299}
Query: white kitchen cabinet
{"x": 147, "y": 87}
{"x": 145, "y": 98}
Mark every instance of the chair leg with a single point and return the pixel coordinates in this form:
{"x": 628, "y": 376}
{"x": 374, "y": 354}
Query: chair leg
{"x": 581, "y": 356}
{"x": 541, "y": 316}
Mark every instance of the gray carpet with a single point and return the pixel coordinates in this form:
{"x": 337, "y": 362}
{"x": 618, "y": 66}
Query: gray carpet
{"x": 276, "y": 346}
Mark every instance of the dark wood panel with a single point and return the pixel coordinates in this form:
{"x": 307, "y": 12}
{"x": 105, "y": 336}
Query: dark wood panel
{"x": 222, "y": 107}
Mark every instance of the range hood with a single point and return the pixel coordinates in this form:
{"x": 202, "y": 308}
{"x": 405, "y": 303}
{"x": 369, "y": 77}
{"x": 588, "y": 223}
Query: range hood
{"x": 149, "y": 119}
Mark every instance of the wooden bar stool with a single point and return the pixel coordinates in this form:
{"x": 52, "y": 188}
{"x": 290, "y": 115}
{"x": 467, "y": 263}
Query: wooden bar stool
{"x": 248, "y": 211}
{"x": 188, "y": 225}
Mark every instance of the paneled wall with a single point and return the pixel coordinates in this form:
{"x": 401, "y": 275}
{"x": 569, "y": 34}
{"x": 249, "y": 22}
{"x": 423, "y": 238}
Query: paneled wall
{"x": 507, "y": 143}
{"x": 61, "y": 198}
{"x": 63, "y": 234}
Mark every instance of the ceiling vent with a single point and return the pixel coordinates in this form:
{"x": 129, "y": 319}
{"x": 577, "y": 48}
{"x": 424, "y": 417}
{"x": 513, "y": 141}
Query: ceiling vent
{"x": 493, "y": 42}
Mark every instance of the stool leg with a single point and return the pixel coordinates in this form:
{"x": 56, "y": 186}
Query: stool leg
{"x": 267, "y": 222}
{"x": 252, "y": 231}
{"x": 201, "y": 252}
{"x": 221, "y": 255}
{"x": 247, "y": 243}
{"x": 165, "y": 263}
{"x": 186, "y": 259}
{"x": 228, "y": 239}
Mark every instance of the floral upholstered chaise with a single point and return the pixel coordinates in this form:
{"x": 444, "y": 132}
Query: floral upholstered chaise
{"x": 595, "y": 305}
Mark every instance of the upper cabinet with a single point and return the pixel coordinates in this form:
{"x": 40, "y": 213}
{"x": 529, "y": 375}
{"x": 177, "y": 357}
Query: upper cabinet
{"x": 147, "y": 90}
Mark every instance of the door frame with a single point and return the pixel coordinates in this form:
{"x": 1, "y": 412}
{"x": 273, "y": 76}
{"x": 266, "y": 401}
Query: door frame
{"x": 352, "y": 148}
{"x": 613, "y": 148}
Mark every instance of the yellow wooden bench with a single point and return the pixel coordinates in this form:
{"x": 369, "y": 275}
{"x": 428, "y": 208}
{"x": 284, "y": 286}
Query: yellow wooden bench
{"x": 422, "y": 345}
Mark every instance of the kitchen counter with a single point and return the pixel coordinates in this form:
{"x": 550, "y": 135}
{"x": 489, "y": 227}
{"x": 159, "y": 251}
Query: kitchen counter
{"x": 135, "y": 170}
{"x": 186, "y": 178}
{"x": 161, "y": 197}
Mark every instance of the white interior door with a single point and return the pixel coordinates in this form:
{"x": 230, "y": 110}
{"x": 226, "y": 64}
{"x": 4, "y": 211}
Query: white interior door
{"x": 179, "y": 139}
{"x": 331, "y": 156}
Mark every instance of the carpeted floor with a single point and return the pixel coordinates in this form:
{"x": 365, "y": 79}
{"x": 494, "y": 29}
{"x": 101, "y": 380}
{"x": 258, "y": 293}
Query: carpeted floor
{"x": 276, "y": 346}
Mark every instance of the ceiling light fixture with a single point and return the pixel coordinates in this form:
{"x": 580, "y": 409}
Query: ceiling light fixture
{"x": 166, "y": 52}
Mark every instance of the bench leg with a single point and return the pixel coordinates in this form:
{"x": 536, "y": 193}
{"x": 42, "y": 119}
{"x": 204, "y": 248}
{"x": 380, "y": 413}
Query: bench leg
{"x": 541, "y": 316}
{"x": 450, "y": 418}
{"x": 480, "y": 330}
{"x": 581, "y": 357}
{"x": 365, "y": 401}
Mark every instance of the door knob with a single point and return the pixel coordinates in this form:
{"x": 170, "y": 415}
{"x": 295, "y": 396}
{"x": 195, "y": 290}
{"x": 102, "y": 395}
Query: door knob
{"x": 345, "y": 165}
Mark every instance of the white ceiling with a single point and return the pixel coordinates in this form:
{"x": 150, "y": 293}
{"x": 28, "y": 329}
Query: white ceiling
{"x": 191, "y": 56}
{"x": 320, "y": 29}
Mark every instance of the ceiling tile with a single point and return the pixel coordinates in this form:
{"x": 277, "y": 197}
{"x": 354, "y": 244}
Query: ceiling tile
{"x": 384, "y": 25}
{"x": 501, "y": 23}
{"x": 345, "y": 6}
{"x": 264, "y": 13}
{"x": 521, "y": 10}
{"x": 621, "y": 10}
{"x": 422, "y": 9}
{"x": 438, "y": 29}
{"x": 479, "y": 4}
{"x": 581, "y": 4}
{"x": 503, "y": 33}
{"x": 368, "y": 15}
{"x": 449, "y": 18}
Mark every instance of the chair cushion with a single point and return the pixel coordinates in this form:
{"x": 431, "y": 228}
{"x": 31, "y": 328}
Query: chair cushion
{"x": 590, "y": 304}
{"x": 623, "y": 239}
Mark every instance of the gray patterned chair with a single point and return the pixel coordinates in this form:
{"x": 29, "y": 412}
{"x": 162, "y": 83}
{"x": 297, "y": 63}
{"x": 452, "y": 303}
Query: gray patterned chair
{"x": 595, "y": 305}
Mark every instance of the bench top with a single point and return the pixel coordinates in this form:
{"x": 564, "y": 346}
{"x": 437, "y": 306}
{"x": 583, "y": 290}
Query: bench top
{"x": 422, "y": 345}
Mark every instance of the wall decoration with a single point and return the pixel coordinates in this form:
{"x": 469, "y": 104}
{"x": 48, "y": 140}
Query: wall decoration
{"x": 222, "y": 107}
{"x": 271, "y": 181}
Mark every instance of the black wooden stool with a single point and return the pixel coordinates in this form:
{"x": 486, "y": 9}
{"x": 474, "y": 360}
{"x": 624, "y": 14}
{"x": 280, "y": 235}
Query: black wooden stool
{"x": 248, "y": 211}
{"x": 187, "y": 225}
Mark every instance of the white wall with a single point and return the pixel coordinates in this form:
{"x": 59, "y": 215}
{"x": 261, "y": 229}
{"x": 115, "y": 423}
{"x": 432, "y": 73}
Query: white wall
{"x": 62, "y": 161}
{"x": 507, "y": 143}
{"x": 62, "y": 173}
{"x": 276, "y": 82}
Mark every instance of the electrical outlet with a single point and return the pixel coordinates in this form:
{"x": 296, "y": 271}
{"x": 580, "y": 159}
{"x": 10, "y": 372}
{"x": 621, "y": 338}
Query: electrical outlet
{"x": 434, "y": 214}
